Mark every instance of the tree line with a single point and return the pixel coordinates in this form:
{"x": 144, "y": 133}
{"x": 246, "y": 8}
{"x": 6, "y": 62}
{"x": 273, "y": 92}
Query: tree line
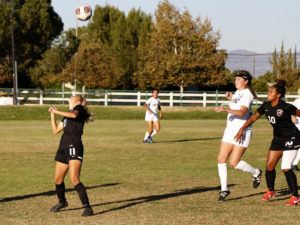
{"x": 169, "y": 50}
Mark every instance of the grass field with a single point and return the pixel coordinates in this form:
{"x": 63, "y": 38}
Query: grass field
{"x": 173, "y": 181}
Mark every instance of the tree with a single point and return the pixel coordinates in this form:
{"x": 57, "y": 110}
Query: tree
{"x": 45, "y": 73}
{"x": 35, "y": 26}
{"x": 95, "y": 67}
{"x": 121, "y": 36}
{"x": 181, "y": 51}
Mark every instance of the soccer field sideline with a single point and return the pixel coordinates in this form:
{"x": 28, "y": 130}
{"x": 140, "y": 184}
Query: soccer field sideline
{"x": 173, "y": 181}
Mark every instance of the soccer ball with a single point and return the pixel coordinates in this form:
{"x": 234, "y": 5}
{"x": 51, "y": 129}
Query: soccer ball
{"x": 83, "y": 12}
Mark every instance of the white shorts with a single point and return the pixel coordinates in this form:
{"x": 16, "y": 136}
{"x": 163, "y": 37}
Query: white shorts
{"x": 229, "y": 135}
{"x": 151, "y": 117}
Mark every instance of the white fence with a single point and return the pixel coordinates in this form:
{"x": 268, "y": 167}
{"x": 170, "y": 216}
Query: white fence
{"x": 132, "y": 97}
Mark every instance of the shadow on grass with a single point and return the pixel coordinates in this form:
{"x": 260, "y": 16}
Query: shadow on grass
{"x": 49, "y": 193}
{"x": 187, "y": 140}
{"x": 151, "y": 198}
{"x": 279, "y": 193}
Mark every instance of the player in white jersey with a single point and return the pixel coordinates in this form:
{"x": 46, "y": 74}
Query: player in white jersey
{"x": 152, "y": 105}
{"x": 296, "y": 120}
{"x": 238, "y": 112}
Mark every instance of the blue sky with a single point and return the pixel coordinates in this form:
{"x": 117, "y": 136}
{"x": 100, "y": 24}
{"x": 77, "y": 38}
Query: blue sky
{"x": 256, "y": 25}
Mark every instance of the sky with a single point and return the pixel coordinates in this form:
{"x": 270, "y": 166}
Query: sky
{"x": 253, "y": 25}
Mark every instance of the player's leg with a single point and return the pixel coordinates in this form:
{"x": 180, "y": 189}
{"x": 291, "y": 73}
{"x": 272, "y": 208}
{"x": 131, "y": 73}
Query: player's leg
{"x": 224, "y": 152}
{"x": 59, "y": 175}
{"x": 286, "y": 166}
{"x": 74, "y": 171}
{"x": 155, "y": 131}
{"x": 296, "y": 161}
{"x": 236, "y": 162}
{"x": 149, "y": 131}
{"x": 272, "y": 160}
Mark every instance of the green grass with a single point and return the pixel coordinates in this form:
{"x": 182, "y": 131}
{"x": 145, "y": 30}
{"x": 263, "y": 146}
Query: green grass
{"x": 110, "y": 113}
{"x": 173, "y": 181}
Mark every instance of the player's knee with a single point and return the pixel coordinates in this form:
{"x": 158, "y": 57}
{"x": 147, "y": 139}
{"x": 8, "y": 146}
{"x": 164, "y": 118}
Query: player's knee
{"x": 150, "y": 131}
{"x": 221, "y": 160}
{"x": 269, "y": 167}
{"x": 74, "y": 180}
{"x": 58, "y": 180}
{"x": 233, "y": 163}
{"x": 157, "y": 129}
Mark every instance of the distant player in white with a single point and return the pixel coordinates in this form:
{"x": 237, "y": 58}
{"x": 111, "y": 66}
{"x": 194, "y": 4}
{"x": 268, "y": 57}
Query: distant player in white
{"x": 296, "y": 120}
{"x": 152, "y": 105}
{"x": 238, "y": 113}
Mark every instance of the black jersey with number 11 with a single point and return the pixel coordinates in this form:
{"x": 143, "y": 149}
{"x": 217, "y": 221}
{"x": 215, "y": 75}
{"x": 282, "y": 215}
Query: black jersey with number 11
{"x": 279, "y": 117}
{"x": 73, "y": 129}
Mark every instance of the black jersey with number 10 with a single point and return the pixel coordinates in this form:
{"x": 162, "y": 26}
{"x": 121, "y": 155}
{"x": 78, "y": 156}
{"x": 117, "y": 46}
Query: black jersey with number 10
{"x": 73, "y": 128}
{"x": 279, "y": 117}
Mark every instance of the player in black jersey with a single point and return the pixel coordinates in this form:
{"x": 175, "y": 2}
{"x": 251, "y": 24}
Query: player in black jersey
{"x": 69, "y": 155}
{"x": 286, "y": 139}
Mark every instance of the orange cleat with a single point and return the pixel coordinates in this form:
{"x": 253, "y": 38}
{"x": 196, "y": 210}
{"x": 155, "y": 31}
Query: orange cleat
{"x": 268, "y": 195}
{"x": 293, "y": 201}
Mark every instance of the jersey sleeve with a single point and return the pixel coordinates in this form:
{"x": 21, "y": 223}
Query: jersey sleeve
{"x": 148, "y": 101}
{"x": 261, "y": 109}
{"x": 247, "y": 99}
{"x": 291, "y": 109}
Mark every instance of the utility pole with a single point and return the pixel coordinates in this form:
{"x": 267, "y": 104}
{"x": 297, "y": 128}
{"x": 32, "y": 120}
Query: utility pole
{"x": 254, "y": 65}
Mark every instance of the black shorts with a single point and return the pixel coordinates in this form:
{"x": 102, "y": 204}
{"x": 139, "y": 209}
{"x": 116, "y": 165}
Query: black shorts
{"x": 64, "y": 155}
{"x": 285, "y": 144}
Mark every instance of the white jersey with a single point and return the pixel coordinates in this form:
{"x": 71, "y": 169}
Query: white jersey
{"x": 240, "y": 98}
{"x": 296, "y": 103}
{"x": 153, "y": 104}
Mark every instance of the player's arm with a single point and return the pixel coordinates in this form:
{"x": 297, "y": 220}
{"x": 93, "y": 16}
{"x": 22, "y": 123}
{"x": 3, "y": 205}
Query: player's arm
{"x": 146, "y": 107}
{"x": 294, "y": 118}
{"x": 251, "y": 120}
{"x": 160, "y": 112}
{"x": 71, "y": 115}
{"x": 55, "y": 128}
{"x": 298, "y": 112}
{"x": 240, "y": 112}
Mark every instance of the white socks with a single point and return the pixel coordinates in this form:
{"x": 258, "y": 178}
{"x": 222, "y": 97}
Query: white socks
{"x": 153, "y": 133}
{"x": 242, "y": 165}
{"x": 297, "y": 159}
{"x": 146, "y": 136}
{"x": 222, "y": 168}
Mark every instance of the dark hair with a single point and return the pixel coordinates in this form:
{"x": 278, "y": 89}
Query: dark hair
{"x": 247, "y": 76}
{"x": 87, "y": 115}
{"x": 280, "y": 87}
{"x": 155, "y": 90}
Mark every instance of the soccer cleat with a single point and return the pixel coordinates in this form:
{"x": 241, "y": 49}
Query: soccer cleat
{"x": 88, "y": 211}
{"x": 268, "y": 195}
{"x": 145, "y": 141}
{"x": 295, "y": 167}
{"x": 150, "y": 139}
{"x": 59, "y": 206}
{"x": 293, "y": 201}
{"x": 223, "y": 195}
{"x": 257, "y": 179}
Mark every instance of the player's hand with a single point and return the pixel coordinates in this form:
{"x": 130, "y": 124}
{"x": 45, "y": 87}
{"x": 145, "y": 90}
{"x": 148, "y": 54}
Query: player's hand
{"x": 239, "y": 135}
{"x": 228, "y": 95}
{"x": 220, "y": 109}
{"x": 149, "y": 111}
{"x": 160, "y": 115}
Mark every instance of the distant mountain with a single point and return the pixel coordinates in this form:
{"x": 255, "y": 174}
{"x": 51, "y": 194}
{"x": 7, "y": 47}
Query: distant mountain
{"x": 256, "y": 63}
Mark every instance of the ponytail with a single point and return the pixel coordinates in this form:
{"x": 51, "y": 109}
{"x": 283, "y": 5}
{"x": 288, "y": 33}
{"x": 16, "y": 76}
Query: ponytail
{"x": 88, "y": 116}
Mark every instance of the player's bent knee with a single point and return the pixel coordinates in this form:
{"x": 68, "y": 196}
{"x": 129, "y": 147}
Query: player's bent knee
{"x": 74, "y": 181}
{"x": 233, "y": 164}
{"x": 58, "y": 181}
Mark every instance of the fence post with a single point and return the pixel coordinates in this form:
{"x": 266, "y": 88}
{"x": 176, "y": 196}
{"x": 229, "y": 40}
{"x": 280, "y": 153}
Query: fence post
{"x": 139, "y": 98}
{"x": 217, "y": 92}
{"x": 106, "y": 98}
{"x": 204, "y": 99}
{"x": 171, "y": 98}
{"x": 41, "y": 97}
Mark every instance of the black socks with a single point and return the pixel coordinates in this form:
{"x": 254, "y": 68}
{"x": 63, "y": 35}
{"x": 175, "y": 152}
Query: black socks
{"x": 270, "y": 178}
{"x": 60, "y": 191}
{"x": 82, "y": 194}
{"x": 291, "y": 179}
